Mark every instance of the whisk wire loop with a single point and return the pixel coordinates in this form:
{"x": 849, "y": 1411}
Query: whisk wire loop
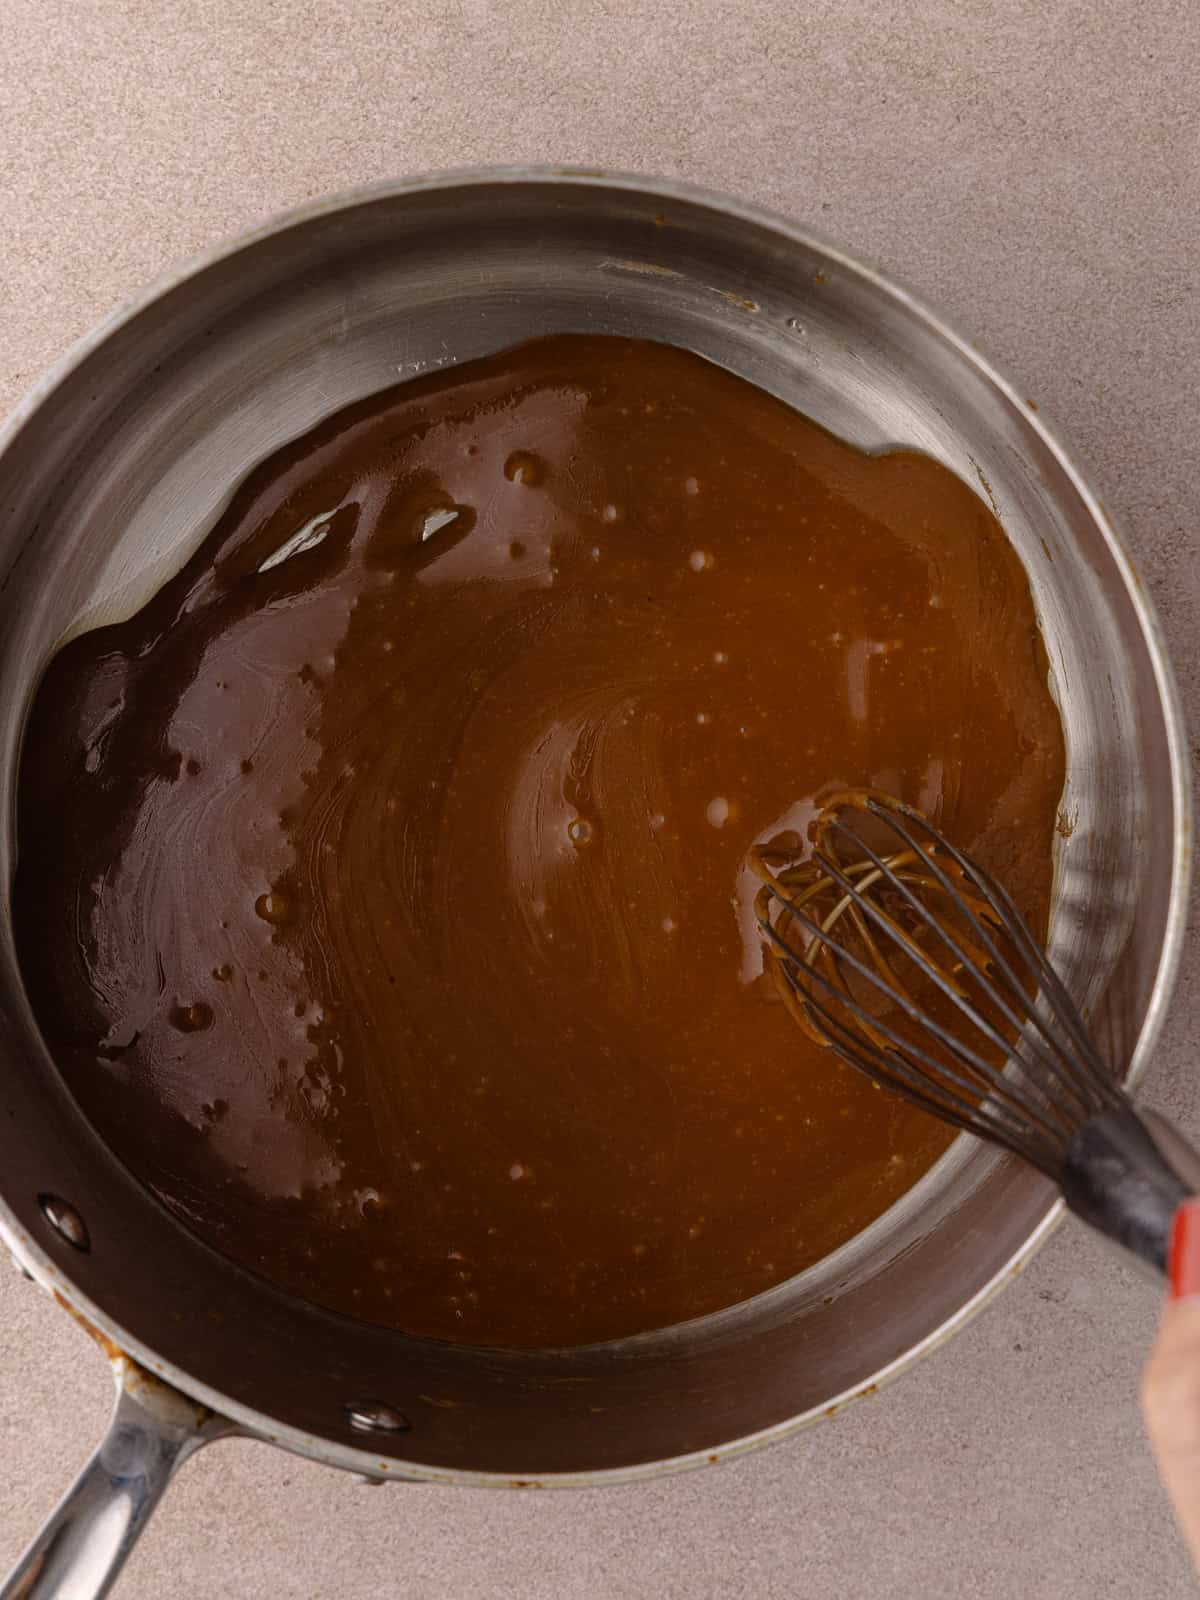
{"x": 1007, "y": 1099}
{"x": 896, "y": 1074}
{"x": 1000, "y": 997}
{"x": 916, "y": 967}
{"x": 1018, "y": 932}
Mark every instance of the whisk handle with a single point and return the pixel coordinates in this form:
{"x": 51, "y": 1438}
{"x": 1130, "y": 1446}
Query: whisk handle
{"x": 1116, "y": 1178}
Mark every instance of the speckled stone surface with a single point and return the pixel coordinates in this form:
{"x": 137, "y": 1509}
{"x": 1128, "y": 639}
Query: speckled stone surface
{"x": 1035, "y": 171}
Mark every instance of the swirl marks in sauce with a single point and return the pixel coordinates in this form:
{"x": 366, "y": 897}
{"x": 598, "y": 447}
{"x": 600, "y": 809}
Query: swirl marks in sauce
{"x": 381, "y": 887}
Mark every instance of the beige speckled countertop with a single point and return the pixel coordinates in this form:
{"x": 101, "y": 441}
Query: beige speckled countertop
{"x": 1035, "y": 170}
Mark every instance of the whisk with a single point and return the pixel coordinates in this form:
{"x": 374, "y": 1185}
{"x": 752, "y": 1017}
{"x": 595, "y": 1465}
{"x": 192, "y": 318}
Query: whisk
{"x": 907, "y": 958}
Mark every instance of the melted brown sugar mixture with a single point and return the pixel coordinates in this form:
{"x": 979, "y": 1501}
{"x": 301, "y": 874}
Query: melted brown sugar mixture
{"x": 382, "y": 888}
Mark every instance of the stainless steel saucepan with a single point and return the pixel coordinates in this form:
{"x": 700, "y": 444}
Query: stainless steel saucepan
{"x": 111, "y": 472}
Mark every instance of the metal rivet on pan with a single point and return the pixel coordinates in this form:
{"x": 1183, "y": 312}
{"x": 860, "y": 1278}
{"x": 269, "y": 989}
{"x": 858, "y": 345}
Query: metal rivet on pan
{"x": 372, "y": 1416}
{"x": 65, "y": 1221}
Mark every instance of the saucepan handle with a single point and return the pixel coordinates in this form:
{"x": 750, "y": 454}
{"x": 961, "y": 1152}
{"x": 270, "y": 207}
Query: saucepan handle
{"x": 83, "y": 1545}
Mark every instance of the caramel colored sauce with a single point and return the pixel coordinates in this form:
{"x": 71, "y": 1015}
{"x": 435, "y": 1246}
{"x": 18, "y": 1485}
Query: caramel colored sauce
{"x": 382, "y": 887}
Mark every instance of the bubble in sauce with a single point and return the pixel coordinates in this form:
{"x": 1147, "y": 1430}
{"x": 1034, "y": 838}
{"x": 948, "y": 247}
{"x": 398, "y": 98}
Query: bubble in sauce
{"x": 718, "y": 811}
{"x": 193, "y": 1018}
{"x": 273, "y": 907}
{"x": 524, "y": 467}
